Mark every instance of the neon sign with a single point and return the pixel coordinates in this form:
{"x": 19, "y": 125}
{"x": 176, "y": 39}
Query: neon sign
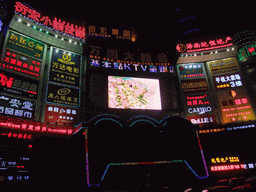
{"x": 16, "y": 107}
{"x": 246, "y": 52}
{"x": 55, "y": 24}
{"x": 190, "y": 86}
{"x": 228, "y": 81}
{"x": 205, "y": 45}
{"x": 191, "y": 70}
{"x": 18, "y": 85}
{"x": 235, "y": 106}
{"x": 132, "y": 66}
{"x": 26, "y": 45}
{"x": 202, "y": 119}
{"x": 225, "y": 159}
{"x": 223, "y": 66}
{"x": 20, "y": 63}
{"x": 17, "y": 135}
{"x": 228, "y": 167}
{"x": 24, "y": 125}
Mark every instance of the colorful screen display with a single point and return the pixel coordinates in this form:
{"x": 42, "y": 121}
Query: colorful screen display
{"x": 133, "y": 93}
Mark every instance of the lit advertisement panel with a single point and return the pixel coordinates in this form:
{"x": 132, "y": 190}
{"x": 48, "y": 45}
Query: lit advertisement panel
{"x": 235, "y": 106}
{"x": 133, "y": 93}
{"x": 228, "y": 65}
{"x": 21, "y": 63}
{"x": 191, "y": 70}
{"x": 202, "y": 119}
{"x": 65, "y": 67}
{"x": 61, "y": 115}
{"x": 194, "y": 86}
{"x": 228, "y": 81}
{"x": 26, "y": 45}
{"x": 198, "y": 105}
{"x": 62, "y": 95}
{"x": 18, "y": 85}
{"x": 15, "y": 107}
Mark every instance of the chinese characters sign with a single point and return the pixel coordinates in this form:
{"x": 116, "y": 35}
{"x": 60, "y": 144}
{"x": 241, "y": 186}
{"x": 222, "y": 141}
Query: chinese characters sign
{"x": 228, "y": 81}
{"x": 17, "y": 107}
{"x": 190, "y": 71}
{"x": 61, "y": 115}
{"x": 25, "y": 45}
{"x": 223, "y": 66}
{"x": 235, "y": 106}
{"x": 55, "y": 24}
{"x": 198, "y": 105}
{"x": 65, "y": 67}
{"x": 11, "y": 83}
{"x": 205, "y": 45}
{"x": 63, "y": 95}
{"x": 104, "y": 32}
{"x": 20, "y": 63}
{"x": 94, "y": 63}
{"x": 225, "y": 159}
{"x": 193, "y": 86}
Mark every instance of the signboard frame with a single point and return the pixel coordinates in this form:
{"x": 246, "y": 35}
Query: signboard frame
{"x": 50, "y": 68}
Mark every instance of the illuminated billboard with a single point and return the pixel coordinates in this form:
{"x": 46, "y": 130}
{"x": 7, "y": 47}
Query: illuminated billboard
{"x": 65, "y": 67}
{"x": 15, "y": 107}
{"x": 62, "y": 95}
{"x": 18, "y": 85}
{"x": 194, "y": 86}
{"x": 26, "y": 45}
{"x": 191, "y": 70}
{"x": 21, "y": 63}
{"x": 223, "y": 66}
{"x": 133, "y": 93}
{"x": 235, "y": 106}
{"x": 228, "y": 81}
{"x": 60, "y": 114}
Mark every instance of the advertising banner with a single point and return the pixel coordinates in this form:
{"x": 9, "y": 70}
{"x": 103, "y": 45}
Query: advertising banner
{"x": 202, "y": 119}
{"x": 198, "y": 105}
{"x": 191, "y": 71}
{"x": 18, "y": 85}
{"x": 235, "y": 105}
{"x": 228, "y": 81}
{"x": 62, "y": 95}
{"x": 61, "y": 115}
{"x": 223, "y": 66}
{"x": 26, "y": 45}
{"x": 65, "y": 67}
{"x": 12, "y": 106}
{"x": 194, "y": 86}
{"x": 21, "y": 63}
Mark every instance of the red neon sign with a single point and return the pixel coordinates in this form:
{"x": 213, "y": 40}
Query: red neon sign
{"x": 17, "y": 135}
{"x": 18, "y": 62}
{"x": 56, "y": 24}
{"x": 204, "y": 46}
{"x": 25, "y": 125}
{"x": 227, "y": 167}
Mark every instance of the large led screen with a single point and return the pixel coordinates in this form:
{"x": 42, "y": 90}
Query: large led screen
{"x": 133, "y": 93}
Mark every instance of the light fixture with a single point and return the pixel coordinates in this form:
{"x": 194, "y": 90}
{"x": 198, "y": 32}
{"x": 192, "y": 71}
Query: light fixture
{"x": 57, "y": 50}
{"x": 70, "y": 41}
{"x": 233, "y": 48}
{"x": 56, "y": 36}
{"x": 75, "y": 43}
{"x": 227, "y": 49}
{"x": 216, "y": 51}
{"x": 34, "y": 27}
{"x": 62, "y": 38}
{"x": 40, "y": 29}
{"x": 19, "y": 20}
{"x": 28, "y": 24}
{"x": 211, "y": 52}
{"x": 194, "y": 54}
{"x": 46, "y": 32}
